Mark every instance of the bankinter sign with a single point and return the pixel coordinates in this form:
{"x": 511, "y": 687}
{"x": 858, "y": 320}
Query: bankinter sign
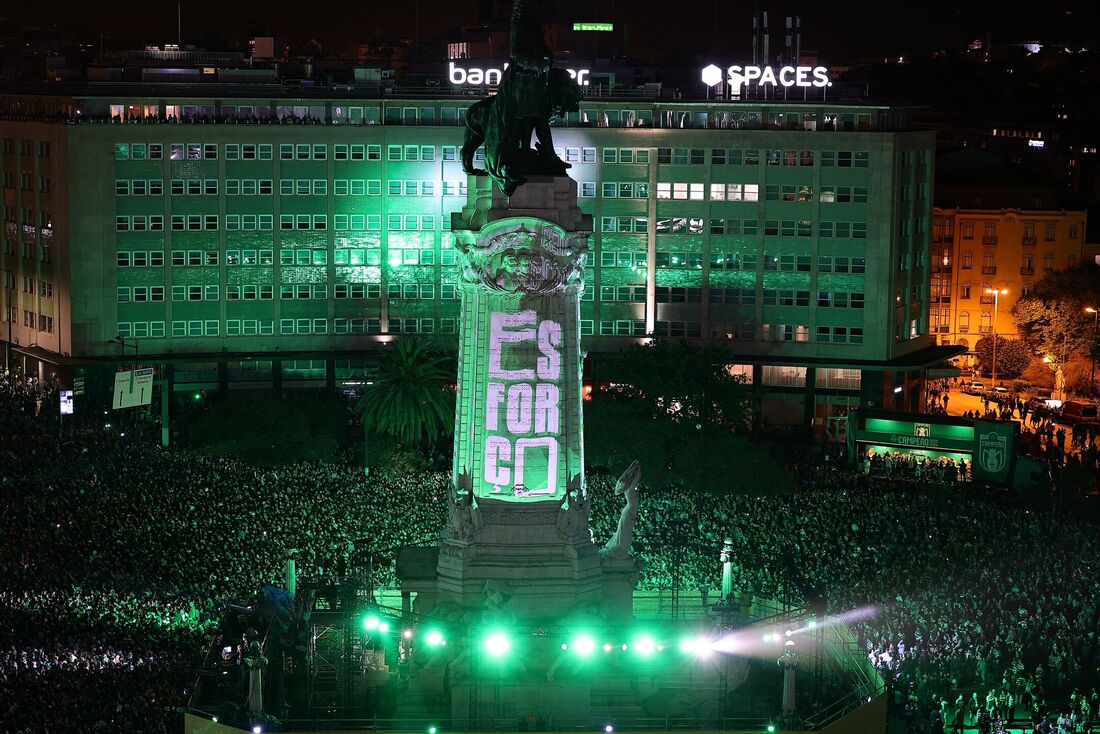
{"x": 765, "y": 76}
{"x": 490, "y": 76}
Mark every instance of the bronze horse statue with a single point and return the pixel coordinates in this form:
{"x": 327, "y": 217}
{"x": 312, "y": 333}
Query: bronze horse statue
{"x": 530, "y": 93}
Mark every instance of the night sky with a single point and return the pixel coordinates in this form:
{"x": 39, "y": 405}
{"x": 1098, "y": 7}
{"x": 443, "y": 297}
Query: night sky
{"x": 684, "y": 29}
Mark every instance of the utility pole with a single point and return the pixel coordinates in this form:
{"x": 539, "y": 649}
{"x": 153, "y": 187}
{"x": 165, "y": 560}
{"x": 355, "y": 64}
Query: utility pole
{"x": 9, "y": 283}
{"x": 996, "y": 298}
{"x": 1092, "y": 350}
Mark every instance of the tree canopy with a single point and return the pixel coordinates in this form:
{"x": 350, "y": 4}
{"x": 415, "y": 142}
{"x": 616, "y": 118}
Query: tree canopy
{"x": 1013, "y": 356}
{"x": 679, "y": 382}
{"x": 1052, "y": 317}
{"x": 678, "y": 410}
{"x": 413, "y": 398}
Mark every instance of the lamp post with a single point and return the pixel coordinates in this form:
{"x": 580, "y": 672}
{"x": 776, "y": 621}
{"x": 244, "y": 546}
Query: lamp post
{"x": 996, "y": 299}
{"x": 1092, "y": 349}
{"x": 9, "y": 287}
{"x": 124, "y": 342}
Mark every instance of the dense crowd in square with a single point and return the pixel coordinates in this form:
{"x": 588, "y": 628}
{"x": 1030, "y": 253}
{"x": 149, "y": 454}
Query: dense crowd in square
{"x": 121, "y": 557}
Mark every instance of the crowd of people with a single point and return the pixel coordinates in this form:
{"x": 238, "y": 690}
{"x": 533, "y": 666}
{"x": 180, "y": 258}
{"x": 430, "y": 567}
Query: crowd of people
{"x": 122, "y": 556}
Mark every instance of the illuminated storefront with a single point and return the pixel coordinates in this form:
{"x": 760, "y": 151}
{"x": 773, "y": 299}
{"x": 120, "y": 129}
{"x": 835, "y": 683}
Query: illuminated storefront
{"x": 989, "y": 445}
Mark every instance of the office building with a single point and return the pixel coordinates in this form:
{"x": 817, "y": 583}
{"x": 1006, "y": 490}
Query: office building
{"x": 257, "y": 235}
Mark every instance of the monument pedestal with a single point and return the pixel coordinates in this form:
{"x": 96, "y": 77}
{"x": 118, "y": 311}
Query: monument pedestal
{"x": 521, "y": 552}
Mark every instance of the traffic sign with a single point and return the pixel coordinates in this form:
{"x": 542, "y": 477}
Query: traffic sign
{"x": 66, "y": 402}
{"x": 78, "y": 385}
{"x": 133, "y": 388}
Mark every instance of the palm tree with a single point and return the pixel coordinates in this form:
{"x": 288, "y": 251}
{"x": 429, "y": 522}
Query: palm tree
{"x": 413, "y": 399}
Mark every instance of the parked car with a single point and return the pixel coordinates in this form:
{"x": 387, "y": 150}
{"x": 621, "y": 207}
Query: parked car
{"x": 1078, "y": 411}
{"x": 1044, "y": 405}
{"x": 998, "y": 394}
{"x": 974, "y": 387}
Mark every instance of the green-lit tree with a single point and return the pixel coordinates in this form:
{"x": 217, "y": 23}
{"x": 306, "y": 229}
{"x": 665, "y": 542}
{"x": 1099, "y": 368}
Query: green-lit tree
{"x": 413, "y": 399}
{"x": 1013, "y": 356}
{"x": 678, "y": 410}
{"x": 680, "y": 382}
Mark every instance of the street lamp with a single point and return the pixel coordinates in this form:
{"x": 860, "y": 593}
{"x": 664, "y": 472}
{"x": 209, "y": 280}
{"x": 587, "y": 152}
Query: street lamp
{"x": 1092, "y": 350}
{"x": 996, "y": 298}
{"x": 124, "y": 342}
{"x": 9, "y": 288}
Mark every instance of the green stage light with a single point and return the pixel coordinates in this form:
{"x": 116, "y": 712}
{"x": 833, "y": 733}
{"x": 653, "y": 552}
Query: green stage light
{"x": 771, "y": 727}
{"x": 564, "y": 646}
{"x": 812, "y": 624}
{"x": 645, "y": 645}
{"x": 433, "y": 730}
{"x": 607, "y": 647}
{"x": 407, "y": 634}
{"x": 584, "y": 645}
{"x": 383, "y": 627}
{"x": 687, "y": 645}
{"x": 497, "y": 644}
{"x": 434, "y": 638}
{"x": 371, "y": 622}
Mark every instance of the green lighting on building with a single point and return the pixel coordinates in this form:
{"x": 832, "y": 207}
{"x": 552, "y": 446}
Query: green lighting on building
{"x": 593, "y": 26}
{"x": 434, "y": 638}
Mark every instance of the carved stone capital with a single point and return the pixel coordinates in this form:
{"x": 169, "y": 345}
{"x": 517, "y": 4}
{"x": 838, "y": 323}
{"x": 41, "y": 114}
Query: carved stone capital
{"x": 523, "y": 255}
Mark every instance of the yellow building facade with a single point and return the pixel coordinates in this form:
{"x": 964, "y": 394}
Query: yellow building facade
{"x": 975, "y": 251}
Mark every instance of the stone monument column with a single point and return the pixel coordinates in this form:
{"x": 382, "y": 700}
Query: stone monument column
{"x": 518, "y": 537}
{"x": 518, "y": 418}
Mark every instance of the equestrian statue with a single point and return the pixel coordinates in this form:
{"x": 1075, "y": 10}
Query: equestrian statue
{"x": 531, "y": 92}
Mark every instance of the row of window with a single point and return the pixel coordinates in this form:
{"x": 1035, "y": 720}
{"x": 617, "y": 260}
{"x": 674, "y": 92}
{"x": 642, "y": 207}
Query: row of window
{"x": 373, "y": 152}
{"x": 26, "y": 147}
{"x": 27, "y": 250}
{"x": 26, "y": 182}
{"x": 265, "y": 222}
{"x": 856, "y": 230}
{"x": 299, "y": 291}
{"x": 266, "y": 327}
{"x": 752, "y": 157}
{"x": 786, "y": 333}
{"x": 685, "y": 190}
{"x": 32, "y": 320}
{"x": 942, "y": 231}
{"x": 427, "y": 187}
{"x": 287, "y": 152}
{"x": 827, "y": 335}
{"x": 31, "y": 285}
{"x": 27, "y": 218}
{"x": 288, "y": 256}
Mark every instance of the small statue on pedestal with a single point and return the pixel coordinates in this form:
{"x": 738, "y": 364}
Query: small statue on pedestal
{"x": 574, "y": 511}
{"x": 619, "y": 545}
{"x": 463, "y": 516}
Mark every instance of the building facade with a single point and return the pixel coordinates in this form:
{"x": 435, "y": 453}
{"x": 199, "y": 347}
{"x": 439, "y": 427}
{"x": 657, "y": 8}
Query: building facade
{"x": 264, "y": 240}
{"x": 975, "y": 251}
